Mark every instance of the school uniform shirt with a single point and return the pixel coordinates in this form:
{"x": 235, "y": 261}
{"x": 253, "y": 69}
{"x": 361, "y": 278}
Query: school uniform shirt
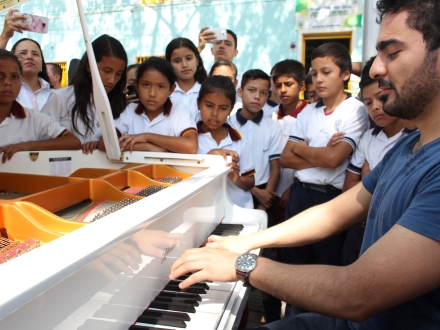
{"x": 175, "y": 120}
{"x": 233, "y": 141}
{"x": 263, "y": 137}
{"x": 59, "y": 107}
{"x": 316, "y": 128}
{"x": 34, "y": 101}
{"x": 24, "y": 125}
{"x": 373, "y": 146}
{"x": 278, "y": 111}
{"x": 287, "y": 175}
{"x": 188, "y": 99}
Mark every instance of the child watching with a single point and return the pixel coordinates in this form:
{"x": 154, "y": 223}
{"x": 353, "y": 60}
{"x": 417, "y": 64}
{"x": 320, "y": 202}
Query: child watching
{"x": 227, "y": 69}
{"x": 73, "y": 106}
{"x": 310, "y": 89}
{"x": 188, "y": 67}
{"x": 320, "y": 166}
{"x": 216, "y": 99}
{"x": 24, "y": 129}
{"x": 373, "y": 146}
{"x": 156, "y": 122}
{"x": 288, "y": 81}
{"x": 263, "y": 136}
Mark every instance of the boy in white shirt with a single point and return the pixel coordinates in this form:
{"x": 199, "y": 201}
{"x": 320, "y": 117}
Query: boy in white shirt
{"x": 320, "y": 167}
{"x": 263, "y": 136}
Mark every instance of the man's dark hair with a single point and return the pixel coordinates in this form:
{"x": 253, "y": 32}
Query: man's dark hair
{"x": 254, "y": 74}
{"x": 337, "y": 52}
{"x": 56, "y": 70}
{"x": 366, "y": 80}
{"x": 291, "y": 68}
{"x": 233, "y": 36}
{"x": 423, "y": 16}
{"x": 224, "y": 63}
{"x": 158, "y": 64}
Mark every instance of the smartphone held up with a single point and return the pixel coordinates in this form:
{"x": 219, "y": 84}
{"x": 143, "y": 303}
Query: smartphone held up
{"x": 39, "y": 24}
{"x": 220, "y": 34}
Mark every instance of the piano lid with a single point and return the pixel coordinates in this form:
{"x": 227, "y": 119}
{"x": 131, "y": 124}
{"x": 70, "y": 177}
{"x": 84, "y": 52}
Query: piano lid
{"x": 100, "y": 99}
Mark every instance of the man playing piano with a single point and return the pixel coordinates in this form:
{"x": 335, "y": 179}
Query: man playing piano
{"x": 395, "y": 284}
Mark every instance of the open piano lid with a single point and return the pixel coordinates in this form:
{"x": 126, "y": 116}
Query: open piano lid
{"x": 100, "y": 98}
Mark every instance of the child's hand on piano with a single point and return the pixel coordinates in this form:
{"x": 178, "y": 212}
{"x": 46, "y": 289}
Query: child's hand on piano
{"x": 229, "y": 243}
{"x": 89, "y": 147}
{"x": 224, "y": 153}
{"x": 127, "y": 141}
{"x": 10, "y": 150}
{"x": 207, "y": 265}
{"x": 234, "y": 174}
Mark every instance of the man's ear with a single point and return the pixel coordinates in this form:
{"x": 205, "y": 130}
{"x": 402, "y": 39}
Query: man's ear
{"x": 240, "y": 92}
{"x": 57, "y": 77}
{"x": 236, "y": 53}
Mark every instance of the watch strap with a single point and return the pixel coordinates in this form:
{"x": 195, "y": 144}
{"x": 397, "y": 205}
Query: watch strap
{"x": 244, "y": 277}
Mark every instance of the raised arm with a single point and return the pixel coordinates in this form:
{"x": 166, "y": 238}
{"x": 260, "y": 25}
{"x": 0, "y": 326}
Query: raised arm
{"x": 10, "y": 26}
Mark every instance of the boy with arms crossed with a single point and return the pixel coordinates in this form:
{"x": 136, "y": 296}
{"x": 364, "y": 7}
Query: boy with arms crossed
{"x": 320, "y": 166}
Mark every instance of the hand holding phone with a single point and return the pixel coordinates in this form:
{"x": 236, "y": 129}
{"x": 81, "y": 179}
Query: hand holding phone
{"x": 34, "y": 23}
{"x": 220, "y": 34}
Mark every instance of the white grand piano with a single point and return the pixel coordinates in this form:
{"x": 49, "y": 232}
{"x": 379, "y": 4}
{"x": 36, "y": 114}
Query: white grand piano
{"x": 113, "y": 273}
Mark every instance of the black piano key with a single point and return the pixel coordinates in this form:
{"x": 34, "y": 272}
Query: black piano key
{"x": 165, "y": 314}
{"x": 175, "y": 288}
{"x": 192, "y": 302}
{"x": 146, "y": 327}
{"x": 161, "y": 321}
{"x": 230, "y": 225}
{"x": 181, "y": 295}
{"x": 173, "y": 306}
{"x": 202, "y": 285}
{"x": 225, "y": 233}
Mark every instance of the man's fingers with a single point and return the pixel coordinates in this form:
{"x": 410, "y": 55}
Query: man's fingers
{"x": 199, "y": 276}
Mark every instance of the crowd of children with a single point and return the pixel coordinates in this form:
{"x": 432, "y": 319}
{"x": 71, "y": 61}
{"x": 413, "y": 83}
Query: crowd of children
{"x": 285, "y": 158}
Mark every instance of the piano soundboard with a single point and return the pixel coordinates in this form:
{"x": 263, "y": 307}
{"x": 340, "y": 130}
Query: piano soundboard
{"x": 107, "y": 236}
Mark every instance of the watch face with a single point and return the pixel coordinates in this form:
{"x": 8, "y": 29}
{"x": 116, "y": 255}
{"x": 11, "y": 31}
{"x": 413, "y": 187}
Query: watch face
{"x": 246, "y": 262}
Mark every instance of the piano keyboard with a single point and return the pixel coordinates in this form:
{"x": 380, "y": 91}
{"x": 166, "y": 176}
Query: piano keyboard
{"x": 199, "y": 307}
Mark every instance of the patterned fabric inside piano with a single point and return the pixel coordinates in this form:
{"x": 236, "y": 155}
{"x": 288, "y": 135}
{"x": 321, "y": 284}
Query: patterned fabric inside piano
{"x": 93, "y": 250}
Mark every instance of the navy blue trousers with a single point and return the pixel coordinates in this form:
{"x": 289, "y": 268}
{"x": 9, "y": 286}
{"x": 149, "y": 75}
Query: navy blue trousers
{"x": 326, "y": 252}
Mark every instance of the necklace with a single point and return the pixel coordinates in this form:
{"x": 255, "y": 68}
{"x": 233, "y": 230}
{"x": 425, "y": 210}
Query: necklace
{"x": 416, "y": 147}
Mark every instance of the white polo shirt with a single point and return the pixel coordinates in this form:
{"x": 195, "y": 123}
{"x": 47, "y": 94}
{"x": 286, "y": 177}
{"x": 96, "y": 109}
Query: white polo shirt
{"x": 175, "y": 120}
{"x": 316, "y": 128}
{"x": 188, "y": 99}
{"x": 263, "y": 136}
{"x": 233, "y": 141}
{"x": 59, "y": 107}
{"x": 373, "y": 146}
{"x": 287, "y": 175}
{"x": 34, "y": 101}
{"x": 24, "y": 125}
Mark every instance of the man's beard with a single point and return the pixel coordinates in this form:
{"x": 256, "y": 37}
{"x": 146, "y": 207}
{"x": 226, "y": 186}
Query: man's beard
{"x": 417, "y": 91}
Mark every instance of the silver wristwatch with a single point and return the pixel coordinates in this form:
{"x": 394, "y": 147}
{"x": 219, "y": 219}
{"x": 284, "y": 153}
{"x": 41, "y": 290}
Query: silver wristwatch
{"x": 244, "y": 264}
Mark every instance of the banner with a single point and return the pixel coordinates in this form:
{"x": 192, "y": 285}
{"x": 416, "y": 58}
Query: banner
{"x": 319, "y": 14}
